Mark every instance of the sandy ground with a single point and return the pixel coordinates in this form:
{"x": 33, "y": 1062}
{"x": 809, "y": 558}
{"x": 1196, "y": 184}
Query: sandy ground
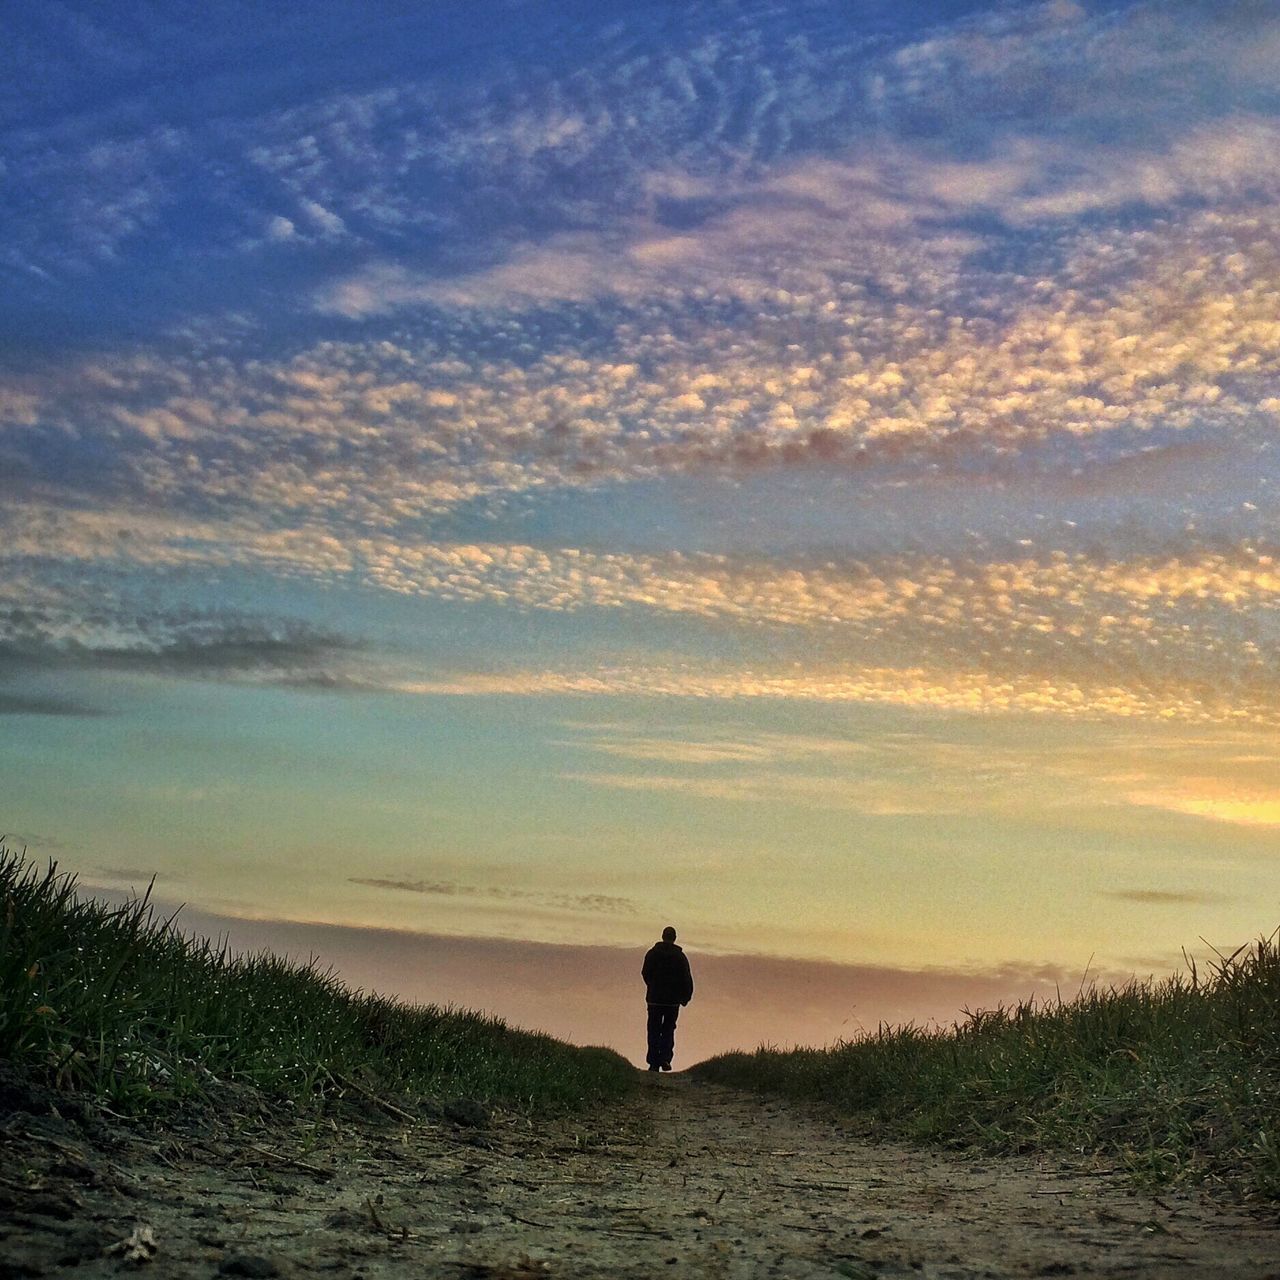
{"x": 685, "y": 1180}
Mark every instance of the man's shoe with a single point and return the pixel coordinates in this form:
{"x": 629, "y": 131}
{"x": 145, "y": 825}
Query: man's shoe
{"x": 654, "y": 1068}
{"x": 666, "y": 1066}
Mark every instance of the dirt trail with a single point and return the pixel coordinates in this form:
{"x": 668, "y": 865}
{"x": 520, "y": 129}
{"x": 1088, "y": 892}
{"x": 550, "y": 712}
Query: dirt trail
{"x": 686, "y": 1180}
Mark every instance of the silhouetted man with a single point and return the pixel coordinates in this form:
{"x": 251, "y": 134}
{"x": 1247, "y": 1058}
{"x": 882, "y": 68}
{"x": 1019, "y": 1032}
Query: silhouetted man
{"x": 668, "y": 987}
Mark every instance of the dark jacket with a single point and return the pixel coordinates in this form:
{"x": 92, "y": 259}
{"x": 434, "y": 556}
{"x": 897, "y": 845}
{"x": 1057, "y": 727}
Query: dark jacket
{"x": 666, "y": 975}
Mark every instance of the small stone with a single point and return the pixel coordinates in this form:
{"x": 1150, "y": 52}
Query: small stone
{"x": 137, "y": 1248}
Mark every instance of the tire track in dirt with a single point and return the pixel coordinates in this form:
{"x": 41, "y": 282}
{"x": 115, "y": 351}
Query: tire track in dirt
{"x": 685, "y": 1179}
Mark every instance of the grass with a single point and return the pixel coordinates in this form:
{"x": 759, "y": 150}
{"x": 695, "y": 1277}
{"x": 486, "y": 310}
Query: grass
{"x": 1173, "y": 1079}
{"x": 115, "y": 1001}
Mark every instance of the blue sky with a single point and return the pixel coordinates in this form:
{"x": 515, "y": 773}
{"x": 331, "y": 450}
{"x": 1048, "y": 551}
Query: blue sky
{"x": 522, "y": 473}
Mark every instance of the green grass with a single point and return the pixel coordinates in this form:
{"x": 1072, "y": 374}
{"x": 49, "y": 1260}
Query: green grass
{"x": 114, "y": 1001}
{"x": 1172, "y": 1079}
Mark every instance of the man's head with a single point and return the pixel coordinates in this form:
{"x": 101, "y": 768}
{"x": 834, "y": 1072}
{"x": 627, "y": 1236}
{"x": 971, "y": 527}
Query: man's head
{"x": 668, "y": 934}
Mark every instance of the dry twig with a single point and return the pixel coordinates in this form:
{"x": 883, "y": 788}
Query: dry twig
{"x": 318, "y": 1170}
{"x": 390, "y": 1107}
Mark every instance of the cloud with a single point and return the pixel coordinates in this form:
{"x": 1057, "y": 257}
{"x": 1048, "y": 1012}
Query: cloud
{"x": 1152, "y": 66}
{"x": 871, "y": 798}
{"x": 1120, "y": 334}
{"x": 692, "y": 748}
{"x": 911, "y": 339}
{"x": 909, "y": 688}
{"x": 1167, "y": 897}
{"x": 1220, "y": 800}
{"x": 804, "y": 224}
{"x": 809, "y": 592}
{"x": 1123, "y": 767}
{"x": 592, "y": 903}
{"x": 31, "y": 840}
{"x": 136, "y": 875}
{"x": 634, "y": 115}
{"x": 720, "y": 278}
{"x": 324, "y": 220}
{"x": 1075, "y": 633}
{"x": 446, "y": 888}
{"x": 239, "y": 648}
{"x": 866, "y": 777}
{"x": 1069, "y": 633}
{"x": 18, "y": 704}
{"x": 896, "y": 209}
{"x": 180, "y": 644}
{"x": 110, "y": 191}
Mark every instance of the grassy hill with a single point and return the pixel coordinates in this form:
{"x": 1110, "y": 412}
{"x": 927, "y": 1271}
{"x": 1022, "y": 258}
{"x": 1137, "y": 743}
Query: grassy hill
{"x": 1173, "y": 1078}
{"x": 114, "y": 1001}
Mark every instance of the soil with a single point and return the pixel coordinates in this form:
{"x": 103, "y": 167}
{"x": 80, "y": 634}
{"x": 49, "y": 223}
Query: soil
{"x": 686, "y": 1179}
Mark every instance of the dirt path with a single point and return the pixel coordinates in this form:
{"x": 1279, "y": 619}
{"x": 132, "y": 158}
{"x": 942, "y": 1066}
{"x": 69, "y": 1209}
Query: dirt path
{"x": 686, "y": 1180}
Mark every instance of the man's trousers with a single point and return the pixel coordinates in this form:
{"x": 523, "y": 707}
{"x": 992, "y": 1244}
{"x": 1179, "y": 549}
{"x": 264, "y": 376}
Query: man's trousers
{"x": 662, "y": 1033}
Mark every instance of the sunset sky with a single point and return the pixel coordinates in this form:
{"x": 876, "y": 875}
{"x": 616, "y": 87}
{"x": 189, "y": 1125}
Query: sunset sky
{"x": 483, "y": 481}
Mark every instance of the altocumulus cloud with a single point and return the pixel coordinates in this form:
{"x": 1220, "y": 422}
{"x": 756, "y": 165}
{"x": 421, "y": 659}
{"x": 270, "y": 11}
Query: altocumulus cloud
{"x": 722, "y": 277}
{"x": 1070, "y": 632}
{"x": 375, "y": 434}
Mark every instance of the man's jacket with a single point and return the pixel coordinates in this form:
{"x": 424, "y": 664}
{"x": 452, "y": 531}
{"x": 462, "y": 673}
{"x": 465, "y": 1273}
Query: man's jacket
{"x": 666, "y": 975}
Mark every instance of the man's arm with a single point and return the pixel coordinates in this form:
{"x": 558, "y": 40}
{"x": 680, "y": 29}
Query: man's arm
{"x": 688, "y": 981}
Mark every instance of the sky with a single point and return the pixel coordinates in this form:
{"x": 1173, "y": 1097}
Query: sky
{"x": 484, "y": 481}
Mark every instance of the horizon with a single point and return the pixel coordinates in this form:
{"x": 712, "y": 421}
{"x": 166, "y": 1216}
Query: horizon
{"x": 577, "y": 993}
{"x": 488, "y": 480}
